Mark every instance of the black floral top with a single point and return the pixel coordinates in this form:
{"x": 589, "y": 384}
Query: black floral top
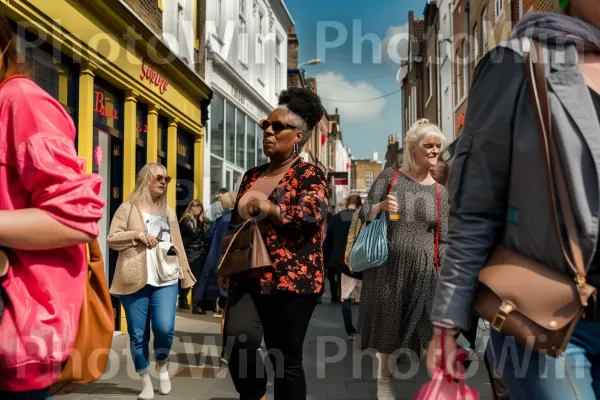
{"x": 295, "y": 244}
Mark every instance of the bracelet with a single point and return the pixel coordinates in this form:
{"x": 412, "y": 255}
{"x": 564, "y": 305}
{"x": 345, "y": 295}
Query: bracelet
{"x": 443, "y": 329}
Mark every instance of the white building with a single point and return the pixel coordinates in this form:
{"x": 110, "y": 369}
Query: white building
{"x": 247, "y": 69}
{"x": 445, "y": 72}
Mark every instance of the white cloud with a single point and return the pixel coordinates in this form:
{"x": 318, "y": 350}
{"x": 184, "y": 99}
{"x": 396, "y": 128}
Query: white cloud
{"x": 395, "y": 43}
{"x": 335, "y": 87}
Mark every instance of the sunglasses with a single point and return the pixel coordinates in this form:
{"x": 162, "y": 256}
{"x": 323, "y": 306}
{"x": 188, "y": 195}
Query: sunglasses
{"x": 163, "y": 178}
{"x": 277, "y": 126}
{"x": 196, "y": 205}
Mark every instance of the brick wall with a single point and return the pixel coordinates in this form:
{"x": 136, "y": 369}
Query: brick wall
{"x": 148, "y": 11}
{"x": 542, "y": 5}
{"x": 201, "y": 35}
{"x": 293, "y": 79}
{"x": 502, "y": 26}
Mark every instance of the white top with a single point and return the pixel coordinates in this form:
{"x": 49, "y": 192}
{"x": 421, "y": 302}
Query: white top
{"x": 157, "y": 226}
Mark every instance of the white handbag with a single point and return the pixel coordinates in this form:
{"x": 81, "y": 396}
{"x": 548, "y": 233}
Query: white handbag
{"x": 168, "y": 264}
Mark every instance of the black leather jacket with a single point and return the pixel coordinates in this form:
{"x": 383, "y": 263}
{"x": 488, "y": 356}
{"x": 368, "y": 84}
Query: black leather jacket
{"x": 192, "y": 235}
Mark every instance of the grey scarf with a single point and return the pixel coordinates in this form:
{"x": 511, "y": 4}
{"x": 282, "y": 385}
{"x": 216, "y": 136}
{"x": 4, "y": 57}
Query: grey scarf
{"x": 559, "y": 29}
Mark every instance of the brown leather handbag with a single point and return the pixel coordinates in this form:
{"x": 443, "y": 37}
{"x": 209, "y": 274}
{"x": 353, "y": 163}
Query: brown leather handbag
{"x": 523, "y": 298}
{"x": 244, "y": 251}
{"x": 96, "y": 328}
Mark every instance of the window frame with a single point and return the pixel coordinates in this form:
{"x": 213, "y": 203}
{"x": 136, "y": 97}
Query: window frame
{"x": 484, "y": 31}
{"x": 466, "y": 67}
{"x": 498, "y": 8}
{"x": 242, "y": 36}
{"x": 429, "y": 68}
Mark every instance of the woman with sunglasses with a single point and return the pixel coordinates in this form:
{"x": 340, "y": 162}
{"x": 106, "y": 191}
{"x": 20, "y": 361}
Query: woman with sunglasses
{"x": 191, "y": 225}
{"x": 138, "y": 226}
{"x": 289, "y": 198}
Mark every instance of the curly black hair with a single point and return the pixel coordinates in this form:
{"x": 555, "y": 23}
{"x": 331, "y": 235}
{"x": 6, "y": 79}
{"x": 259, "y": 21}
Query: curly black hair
{"x": 305, "y": 103}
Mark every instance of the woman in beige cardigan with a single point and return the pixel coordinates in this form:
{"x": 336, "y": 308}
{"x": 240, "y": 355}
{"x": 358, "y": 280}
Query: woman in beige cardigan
{"x": 138, "y": 226}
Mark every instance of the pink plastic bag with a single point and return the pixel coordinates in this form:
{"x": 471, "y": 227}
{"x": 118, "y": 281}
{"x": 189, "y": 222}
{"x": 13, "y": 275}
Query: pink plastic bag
{"x": 440, "y": 389}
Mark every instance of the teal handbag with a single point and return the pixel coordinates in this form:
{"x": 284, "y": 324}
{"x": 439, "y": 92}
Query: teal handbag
{"x": 370, "y": 249}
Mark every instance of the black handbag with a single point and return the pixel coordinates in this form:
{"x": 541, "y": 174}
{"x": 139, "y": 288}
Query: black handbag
{"x": 3, "y": 272}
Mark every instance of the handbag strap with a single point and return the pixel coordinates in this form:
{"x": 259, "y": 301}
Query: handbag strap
{"x": 233, "y": 240}
{"x": 536, "y": 77}
{"x": 437, "y": 229}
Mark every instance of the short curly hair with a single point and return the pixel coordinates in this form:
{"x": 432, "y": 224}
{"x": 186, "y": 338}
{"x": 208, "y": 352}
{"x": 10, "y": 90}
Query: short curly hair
{"x": 305, "y": 105}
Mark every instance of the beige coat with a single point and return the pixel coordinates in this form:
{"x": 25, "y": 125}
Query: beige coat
{"x": 131, "y": 274}
{"x": 355, "y": 227}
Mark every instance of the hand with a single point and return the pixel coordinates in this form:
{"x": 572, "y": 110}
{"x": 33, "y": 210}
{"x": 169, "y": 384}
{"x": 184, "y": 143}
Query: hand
{"x": 253, "y": 207}
{"x": 389, "y": 204}
{"x": 224, "y": 283}
{"x": 148, "y": 240}
{"x": 434, "y": 355}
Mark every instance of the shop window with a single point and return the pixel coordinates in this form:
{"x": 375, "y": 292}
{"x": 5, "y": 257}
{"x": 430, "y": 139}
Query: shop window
{"x": 230, "y": 132}
{"x": 108, "y": 108}
{"x": 163, "y": 134}
{"x": 217, "y": 125}
{"x": 54, "y": 72}
{"x": 240, "y": 143}
{"x": 250, "y": 143}
{"x": 260, "y": 153}
{"x": 141, "y": 128}
{"x": 216, "y": 176}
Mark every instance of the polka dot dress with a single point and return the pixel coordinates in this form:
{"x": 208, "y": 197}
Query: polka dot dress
{"x": 396, "y": 298}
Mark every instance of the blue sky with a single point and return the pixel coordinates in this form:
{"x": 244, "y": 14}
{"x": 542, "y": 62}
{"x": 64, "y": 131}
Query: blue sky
{"x": 349, "y": 74}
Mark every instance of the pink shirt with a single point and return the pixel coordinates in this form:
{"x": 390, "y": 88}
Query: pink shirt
{"x": 39, "y": 168}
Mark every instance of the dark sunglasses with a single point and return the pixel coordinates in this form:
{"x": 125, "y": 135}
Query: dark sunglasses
{"x": 163, "y": 178}
{"x": 197, "y": 205}
{"x": 277, "y": 126}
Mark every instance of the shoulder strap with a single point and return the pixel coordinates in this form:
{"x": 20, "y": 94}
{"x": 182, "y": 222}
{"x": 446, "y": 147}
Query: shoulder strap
{"x": 436, "y": 260}
{"x": 536, "y": 77}
{"x": 393, "y": 181}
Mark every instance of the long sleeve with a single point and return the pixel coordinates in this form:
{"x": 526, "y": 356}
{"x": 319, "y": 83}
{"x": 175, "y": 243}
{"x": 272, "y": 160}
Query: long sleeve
{"x": 310, "y": 206}
{"x": 48, "y": 166}
{"x": 478, "y": 183}
{"x": 187, "y": 279}
{"x": 119, "y": 237}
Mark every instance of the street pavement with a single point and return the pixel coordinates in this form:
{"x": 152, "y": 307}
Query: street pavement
{"x": 335, "y": 368}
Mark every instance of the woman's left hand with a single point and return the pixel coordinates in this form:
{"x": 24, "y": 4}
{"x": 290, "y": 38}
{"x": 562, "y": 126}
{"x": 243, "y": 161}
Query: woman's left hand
{"x": 434, "y": 355}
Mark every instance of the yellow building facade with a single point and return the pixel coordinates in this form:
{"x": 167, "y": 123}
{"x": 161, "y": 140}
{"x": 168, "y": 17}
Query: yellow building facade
{"x": 132, "y": 100}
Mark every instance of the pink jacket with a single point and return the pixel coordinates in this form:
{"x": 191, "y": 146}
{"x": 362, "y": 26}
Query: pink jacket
{"x": 39, "y": 168}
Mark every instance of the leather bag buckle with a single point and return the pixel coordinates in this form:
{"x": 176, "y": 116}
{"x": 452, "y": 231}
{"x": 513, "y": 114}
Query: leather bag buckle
{"x": 501, "y": 315}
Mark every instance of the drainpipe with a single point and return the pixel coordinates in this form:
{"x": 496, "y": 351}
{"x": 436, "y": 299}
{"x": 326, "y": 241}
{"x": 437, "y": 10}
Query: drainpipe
{"x": 468, "y": 37}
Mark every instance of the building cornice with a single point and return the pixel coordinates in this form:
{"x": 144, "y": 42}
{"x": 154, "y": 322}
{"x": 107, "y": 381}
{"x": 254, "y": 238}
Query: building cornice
{"x": 222, "y": 66}
{"x": 118, "y": 14}
{"x": 282, "y": 13}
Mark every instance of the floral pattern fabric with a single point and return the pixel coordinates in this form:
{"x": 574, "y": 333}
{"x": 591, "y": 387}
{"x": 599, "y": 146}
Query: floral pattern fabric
{"x": 295, "y": 244}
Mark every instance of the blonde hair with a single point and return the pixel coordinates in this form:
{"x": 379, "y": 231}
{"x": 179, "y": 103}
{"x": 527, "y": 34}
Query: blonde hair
{"x": 228, "y": 200}
{"x": 414, "y": 137}
{"x": 141, "y": 193}
{"x": 188, "y": 213}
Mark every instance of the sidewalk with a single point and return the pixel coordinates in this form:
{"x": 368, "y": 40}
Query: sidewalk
{"x": 334, "y": 369}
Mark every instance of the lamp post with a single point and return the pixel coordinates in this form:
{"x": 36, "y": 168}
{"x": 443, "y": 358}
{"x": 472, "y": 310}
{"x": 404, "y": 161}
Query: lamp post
{"x": 315, "y": 61}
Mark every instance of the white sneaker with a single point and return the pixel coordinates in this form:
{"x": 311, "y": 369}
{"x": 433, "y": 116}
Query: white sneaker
{"x": 148, "y": 391}
{"x": 165, "y": 381}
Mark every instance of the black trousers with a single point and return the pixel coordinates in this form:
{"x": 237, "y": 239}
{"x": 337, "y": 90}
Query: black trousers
{"x": 333, "y": 275}
{"x": 282, "y": 318}
{"x": 35, "y": 395}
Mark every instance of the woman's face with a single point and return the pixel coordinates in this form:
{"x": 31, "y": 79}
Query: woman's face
{"x": 158, "y": 183}
{"x": 587, "y": 10}
{"x": 426, "y": 155}
{"x": 196, "y": 209}
{"x": 280, "y": 143}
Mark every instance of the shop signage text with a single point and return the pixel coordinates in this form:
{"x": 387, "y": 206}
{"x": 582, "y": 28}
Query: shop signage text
{"x": 149, "y": 73}
{"x": 238, "y": 96}
{"x": 138, "y": 128}
{"x": 101, "y": 108}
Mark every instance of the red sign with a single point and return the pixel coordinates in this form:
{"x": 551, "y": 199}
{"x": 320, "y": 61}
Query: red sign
{"x": 101, "y": 108}
{"x": 149, "y": 73}
{"x": 340, "y": 181}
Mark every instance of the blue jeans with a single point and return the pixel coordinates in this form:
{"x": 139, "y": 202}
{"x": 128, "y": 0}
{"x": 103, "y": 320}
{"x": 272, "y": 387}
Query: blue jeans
{"x": 156, "y": 305}
{"x": 347, "y": 315}
{"x": 574, "y": 375}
